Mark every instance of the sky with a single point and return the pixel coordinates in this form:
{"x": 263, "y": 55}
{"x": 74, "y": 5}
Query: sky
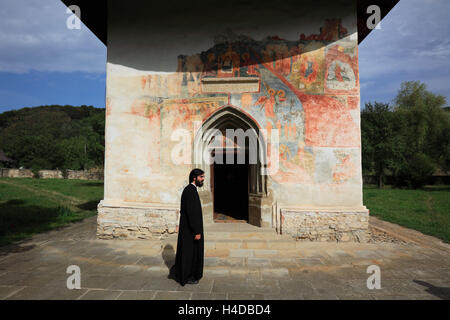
{"x": 42, "y": 62}
{"x": 412, "y": 44}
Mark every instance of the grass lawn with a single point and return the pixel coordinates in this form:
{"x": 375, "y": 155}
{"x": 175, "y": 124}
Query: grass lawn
{"x": 29, "y": 206}
{"x": 426, "y": 210}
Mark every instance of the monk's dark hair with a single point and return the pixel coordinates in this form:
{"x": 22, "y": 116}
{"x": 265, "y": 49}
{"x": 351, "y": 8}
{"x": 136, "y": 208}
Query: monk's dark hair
{"x": 195, "y": 173}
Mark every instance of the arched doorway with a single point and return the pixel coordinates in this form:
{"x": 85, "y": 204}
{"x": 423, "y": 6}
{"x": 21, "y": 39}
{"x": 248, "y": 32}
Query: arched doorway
{"x": 229, "y": 178}
{"x": 231, "y": 151}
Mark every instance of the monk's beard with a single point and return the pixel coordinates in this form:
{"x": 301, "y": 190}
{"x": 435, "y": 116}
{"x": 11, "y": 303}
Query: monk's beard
{"x": 199, "y": 184}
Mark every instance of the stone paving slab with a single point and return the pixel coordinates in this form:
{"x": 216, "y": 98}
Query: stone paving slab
{"x": 136, "y": 295}
{"x": 208, "y": 296}
{"x": 172, "y": 295}
{"x": 43, "y": 293}
{"x": 6, "y": 291}
{"x": 100, "y": 295}
{"x": 252, "y": 268}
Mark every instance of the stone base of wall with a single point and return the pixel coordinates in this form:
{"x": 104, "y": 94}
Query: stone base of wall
{"x": 122, "y": 220}
{"x": 337, "y": 226}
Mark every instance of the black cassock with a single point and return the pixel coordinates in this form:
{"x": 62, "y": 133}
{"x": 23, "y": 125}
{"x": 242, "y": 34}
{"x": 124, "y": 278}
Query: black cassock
{"x": 189, "y": 256}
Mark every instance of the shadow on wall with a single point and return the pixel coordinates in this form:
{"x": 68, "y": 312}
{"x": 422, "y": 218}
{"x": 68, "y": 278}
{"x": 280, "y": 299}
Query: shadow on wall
{"x": 237, "y": 55}
{"x": 241, "y": 33}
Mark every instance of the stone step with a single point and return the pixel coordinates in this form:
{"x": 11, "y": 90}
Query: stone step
{"x": 235, "y": 240}
{"x": 241, "y": 236}
{"x": 249, "y": 238}
{"x": 246, "y": 248}
{"x": 250, "y": 243}
{"x": 241, "y": 253}
{"x": 235, "y": 227}
{"x": 240, "y": 231}
{"x": 251, "y": 271}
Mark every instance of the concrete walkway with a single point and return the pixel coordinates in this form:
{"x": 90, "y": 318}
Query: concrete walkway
{"x": 241, "y": 262}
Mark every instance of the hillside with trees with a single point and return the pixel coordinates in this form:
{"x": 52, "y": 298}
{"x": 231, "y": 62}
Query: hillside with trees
{"x": 54, "y": 137}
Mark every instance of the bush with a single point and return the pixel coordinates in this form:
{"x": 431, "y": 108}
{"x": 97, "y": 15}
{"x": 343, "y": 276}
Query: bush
{"x": 415, "y": 172}
{"x": 35, "y": 171}
{"x": 65, "y": 173}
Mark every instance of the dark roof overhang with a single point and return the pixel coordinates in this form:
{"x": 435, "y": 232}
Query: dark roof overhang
{"x": 94, "y": 15}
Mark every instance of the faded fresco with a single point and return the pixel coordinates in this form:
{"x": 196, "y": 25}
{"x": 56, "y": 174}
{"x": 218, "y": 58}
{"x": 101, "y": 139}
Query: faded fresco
{"x": 307, "y": 89}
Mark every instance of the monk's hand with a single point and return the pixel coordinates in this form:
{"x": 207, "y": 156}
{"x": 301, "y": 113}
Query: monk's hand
{"x": 197, "y": 236}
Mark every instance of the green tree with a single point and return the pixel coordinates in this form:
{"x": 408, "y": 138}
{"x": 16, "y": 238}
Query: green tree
{"x": 425, "y": 133}
{"x": 379, "y": 140}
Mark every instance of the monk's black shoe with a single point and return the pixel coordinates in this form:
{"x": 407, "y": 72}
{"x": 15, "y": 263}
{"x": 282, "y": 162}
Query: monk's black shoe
{"x": 192, "y": 282}
{"x": 170, "y": 276}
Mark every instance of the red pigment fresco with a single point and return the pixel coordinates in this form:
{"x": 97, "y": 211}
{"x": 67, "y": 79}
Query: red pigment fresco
{"x": 158, "y": 85}
{"x": 151, "y": 111}
{"x": 344, "y": 170}
{"x": 337, "y": 73}
{"x": 353, "y": 102}
{"x": 143, "y": 109}
{"x": 108, "y": 106}
{"x": 334, "y": 54}
{"x": 314, "y": 67}
{"x": 210, "y": 113}
{"x": 290, "y": 130}
{"x": 295, "y": 169}
{"x": 267, "y": 103}
{"x": 332, "y": 31}
{"x": 184, "y": 110}
{"x": 328, "y": 122}
{"x": 144, "y": 81}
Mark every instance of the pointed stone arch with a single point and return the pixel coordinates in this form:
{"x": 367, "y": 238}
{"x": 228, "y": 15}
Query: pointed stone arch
{"x": 254, "y": 149}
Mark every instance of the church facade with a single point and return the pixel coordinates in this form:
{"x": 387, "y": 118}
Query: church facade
{"x": 195, "y": 86}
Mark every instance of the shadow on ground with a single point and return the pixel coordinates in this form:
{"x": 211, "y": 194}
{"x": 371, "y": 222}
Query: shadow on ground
{"x": 89, "y": 206}
{"x": 22, "y": 245}
{"x": 440, "y": 292}
{"x": 17, "y": 219}
{"x": 168, "y": 255}
{"x": 20, "y": 221}
{"x": 92, "y": 184}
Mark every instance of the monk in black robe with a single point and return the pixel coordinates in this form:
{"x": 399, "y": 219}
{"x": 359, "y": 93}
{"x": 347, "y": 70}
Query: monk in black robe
{"x": 188, "y": 266}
